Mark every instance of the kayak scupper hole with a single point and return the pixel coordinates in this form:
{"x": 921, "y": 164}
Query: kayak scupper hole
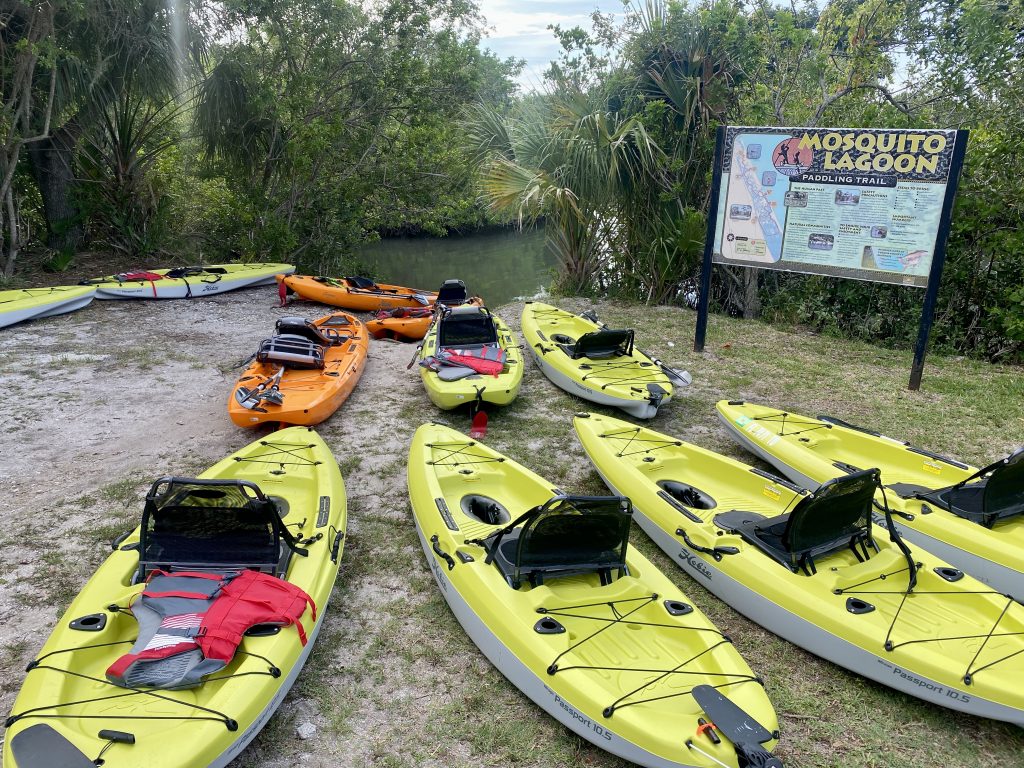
{"x": 857, "y": 606}
{"x": 949, "y": 573}
{"x": 93, "y": 622}
{"x": 677, "y": 607}
{"x": 548, "y": 626}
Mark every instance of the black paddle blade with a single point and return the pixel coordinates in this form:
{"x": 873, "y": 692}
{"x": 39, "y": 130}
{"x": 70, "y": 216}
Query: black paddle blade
{"x": 732, "y": 721}
{"x": 745, "y": 733}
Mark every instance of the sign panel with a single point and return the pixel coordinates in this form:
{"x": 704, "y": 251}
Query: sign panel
{"x": 862, "y": 203}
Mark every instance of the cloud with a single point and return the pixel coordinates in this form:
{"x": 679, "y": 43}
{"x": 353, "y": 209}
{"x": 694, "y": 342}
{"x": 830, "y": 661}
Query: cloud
{"x": 520, "y": 30}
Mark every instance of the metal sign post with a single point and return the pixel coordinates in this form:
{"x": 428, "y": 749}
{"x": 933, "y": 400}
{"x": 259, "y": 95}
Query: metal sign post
{"x": 860, "y": 203}
{"x": 709, "y": 243}
{"x": 938, "y": 261}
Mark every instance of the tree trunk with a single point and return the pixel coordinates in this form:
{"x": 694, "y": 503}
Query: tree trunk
{"x": 52, "y": 161}
{"x": 751, "y": 299}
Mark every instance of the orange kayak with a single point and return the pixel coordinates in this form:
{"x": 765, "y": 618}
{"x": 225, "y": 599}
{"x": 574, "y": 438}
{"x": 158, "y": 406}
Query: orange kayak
{"x": 357, "y": 293}
{"x": 407, "y": 323}
{"x": 301, "y": 374}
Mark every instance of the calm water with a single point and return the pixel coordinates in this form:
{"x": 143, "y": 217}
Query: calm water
{"x": 500, "y": 267}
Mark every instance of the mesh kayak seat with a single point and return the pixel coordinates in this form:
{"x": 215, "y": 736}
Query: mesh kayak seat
{"x": 291, "y": 352}
{"x": 997, "y": 494}
{"x": 452, "y": 293}
{"x": 601, "y": 344}
{"x": 566, "y": 536}
{"x": 835, "y": 516}
{"x": 198, "y": 524}
{"x": 464, "y": 327}
{"x": 305, "y": 329}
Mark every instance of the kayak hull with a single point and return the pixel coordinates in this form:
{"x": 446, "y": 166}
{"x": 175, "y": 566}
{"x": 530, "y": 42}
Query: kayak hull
{"x": 929, "y": 655}
{"x": 16, "y": 306}
{"x": 233, "y": 277}
{"x": 632, "y": 383}
{"x": 994, "y": 556}
{"x": 296, "y": 469}
{"x": 339, "y": 293}
{"x": 310, "y": 396}
{"x": 503, "y": 621}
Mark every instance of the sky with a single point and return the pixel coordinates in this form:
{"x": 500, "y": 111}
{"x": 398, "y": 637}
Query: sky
{"x": 519, "y": 28}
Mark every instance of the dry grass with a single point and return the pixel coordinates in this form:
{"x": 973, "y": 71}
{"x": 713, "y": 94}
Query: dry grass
{"x": 393, "y": 680}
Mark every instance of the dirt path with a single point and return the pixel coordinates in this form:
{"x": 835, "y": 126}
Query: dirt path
{"x": 102, "y": 401}
{"x": 98, "y": 403}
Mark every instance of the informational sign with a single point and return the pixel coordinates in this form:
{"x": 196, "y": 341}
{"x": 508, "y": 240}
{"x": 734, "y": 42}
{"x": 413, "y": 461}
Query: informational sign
{"x": 862, "y": 203}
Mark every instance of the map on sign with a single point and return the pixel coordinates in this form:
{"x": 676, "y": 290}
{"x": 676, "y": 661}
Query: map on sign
{"x": 862, "y": 203}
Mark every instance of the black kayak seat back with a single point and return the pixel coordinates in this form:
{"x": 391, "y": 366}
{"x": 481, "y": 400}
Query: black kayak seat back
{"x": 996, "y": 494}
{"x": 291, "y": 351}
{"x": 452, "y": 293}
{"x": 835, "y": 516}
{"x": 355, "y": 281}
{"x": 210, "y": 524}
{"x": 566, "y": 536}
{"x": 300, "y": 326}
{"x": 602, "y": 344}
{"x": 466, "y": 327}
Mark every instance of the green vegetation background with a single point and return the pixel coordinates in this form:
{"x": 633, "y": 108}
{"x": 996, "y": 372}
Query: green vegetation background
{"x": 155, "y": 133}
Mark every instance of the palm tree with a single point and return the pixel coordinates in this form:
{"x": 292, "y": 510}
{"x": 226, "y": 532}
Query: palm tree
{"x": 564, "y": 158}
{"x": 111, "y": 48}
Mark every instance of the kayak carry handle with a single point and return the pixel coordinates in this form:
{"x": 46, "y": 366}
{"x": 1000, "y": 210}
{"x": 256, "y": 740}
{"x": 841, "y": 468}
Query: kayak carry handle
{"x": 436, "y": 544}
{"x": 715, "y": 552}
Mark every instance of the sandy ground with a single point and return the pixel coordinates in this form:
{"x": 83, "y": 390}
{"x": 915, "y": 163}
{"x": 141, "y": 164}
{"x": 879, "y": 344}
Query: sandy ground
{"x": 98, "y": 403}
{"x": 102, "y": 401}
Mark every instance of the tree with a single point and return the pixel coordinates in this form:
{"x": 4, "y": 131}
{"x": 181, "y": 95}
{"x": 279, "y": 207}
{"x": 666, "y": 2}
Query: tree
{"x": 26, "y": 44}
{"x": 331, "y": 119}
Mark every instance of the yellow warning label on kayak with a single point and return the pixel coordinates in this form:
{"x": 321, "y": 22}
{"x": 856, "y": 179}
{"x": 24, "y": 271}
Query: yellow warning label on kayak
{"x": 772, "y": 492}
{"x": 931, "y": 466}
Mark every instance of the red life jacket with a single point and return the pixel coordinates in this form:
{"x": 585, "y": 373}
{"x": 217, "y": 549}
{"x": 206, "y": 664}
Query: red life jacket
{"x": 191, "y": 624}
{"x": 150, "y": 277}
{"x": 486, "y": 359}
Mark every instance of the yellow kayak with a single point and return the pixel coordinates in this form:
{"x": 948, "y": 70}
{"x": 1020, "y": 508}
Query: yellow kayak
{"x": 470, "y": 332}
{"x": 272, "y": 514}
{"x": 547, "y": 587}
{"x": 186, "y": 282}
{"x": 33, "y": 303}
{"x": 970, "y": 517}
{"x": 814, "y": 569}
{"x": 596, "y": 363}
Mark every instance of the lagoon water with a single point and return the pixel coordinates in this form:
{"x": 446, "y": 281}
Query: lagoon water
{"x": 499, "y": 266}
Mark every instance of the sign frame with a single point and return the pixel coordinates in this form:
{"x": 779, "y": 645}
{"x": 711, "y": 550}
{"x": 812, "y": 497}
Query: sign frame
{"x": 956, "y": 158}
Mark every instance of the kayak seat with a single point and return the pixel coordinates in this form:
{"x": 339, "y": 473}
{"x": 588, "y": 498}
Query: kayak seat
{"x": 291, "y": 352}
{"x": 992, "y": 494}
{"x": 566, "y": 536}
{"x": 452, "y": 293}
{"x": 835, "y": 516}
{"x": 462, "y": 329}
{"x": 363, "y": 283}
{"x": 212, "y": 524}
{"x": 601, "y": 344}
{"x": 303, "y": 328}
